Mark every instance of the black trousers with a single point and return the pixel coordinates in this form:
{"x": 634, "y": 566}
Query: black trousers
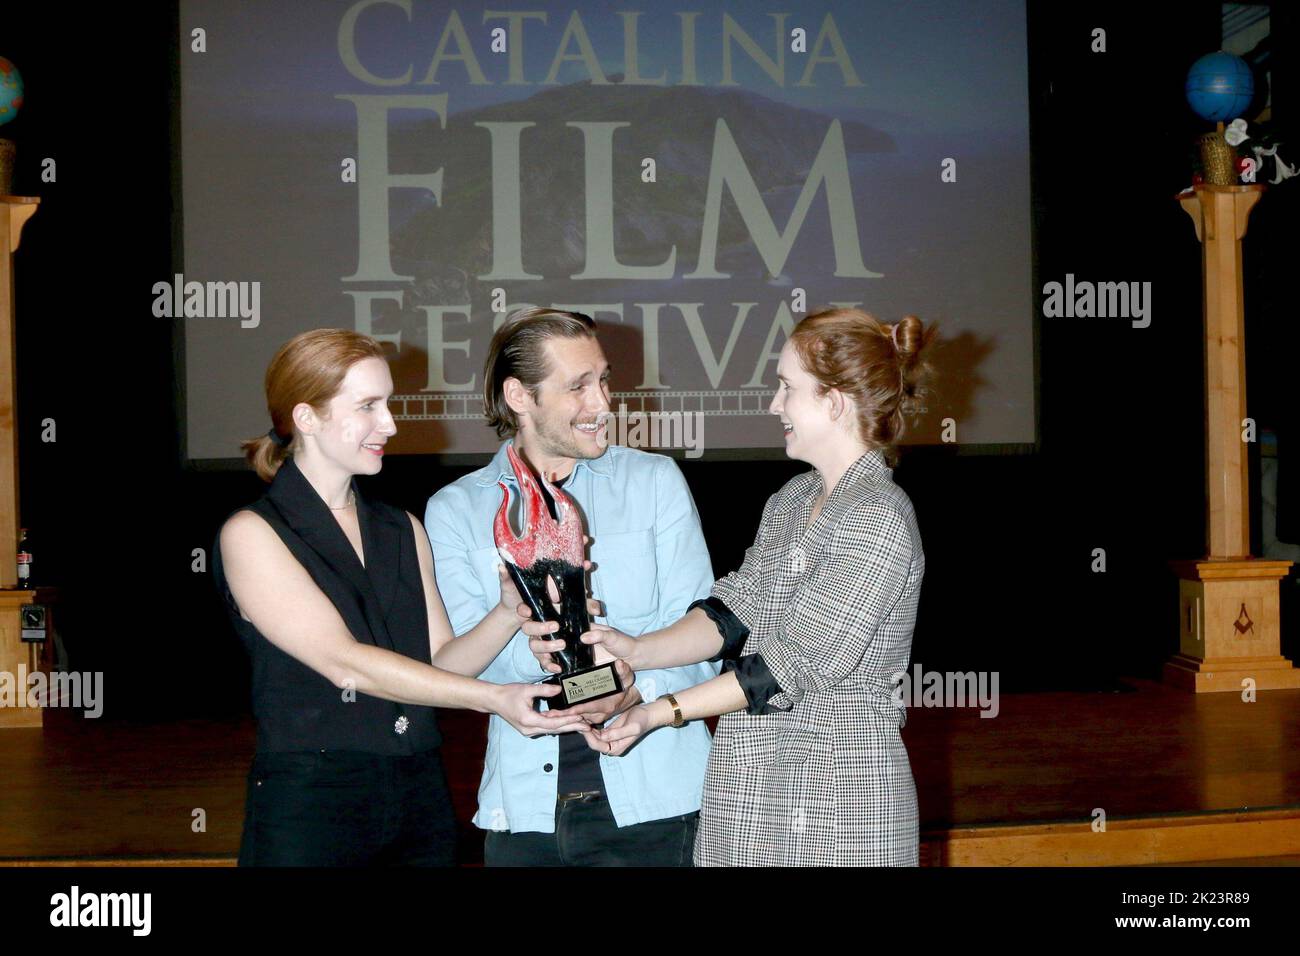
{"x": 343, "y": 808}
{"x": 586, "y": 835}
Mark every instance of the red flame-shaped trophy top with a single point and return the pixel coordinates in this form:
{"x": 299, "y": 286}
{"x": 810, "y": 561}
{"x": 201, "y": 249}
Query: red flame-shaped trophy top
{"x": 542, "y": 536}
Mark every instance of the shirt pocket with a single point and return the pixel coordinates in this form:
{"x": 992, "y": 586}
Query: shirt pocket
{"x": 626, "y": 577}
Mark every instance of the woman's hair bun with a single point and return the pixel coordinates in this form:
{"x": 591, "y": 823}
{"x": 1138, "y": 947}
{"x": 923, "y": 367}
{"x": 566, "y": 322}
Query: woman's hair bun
{"x": 909, "y": 336}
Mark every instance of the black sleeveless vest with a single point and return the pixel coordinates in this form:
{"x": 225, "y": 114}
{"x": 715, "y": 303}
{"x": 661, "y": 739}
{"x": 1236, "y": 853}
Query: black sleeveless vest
{"x": 382, "y": 603}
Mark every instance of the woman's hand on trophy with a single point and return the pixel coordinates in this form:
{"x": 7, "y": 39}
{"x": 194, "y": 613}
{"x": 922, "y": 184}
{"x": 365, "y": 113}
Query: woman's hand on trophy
{"x": 616, "y": 739}
{"x": 610, "y": 644}
{"x": 538, "y": 633}
{"x": 513, "y": 703}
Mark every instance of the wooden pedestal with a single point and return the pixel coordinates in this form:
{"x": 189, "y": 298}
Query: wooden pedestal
{"x": 1230, "y": 627}
{"x": 19, "y": 658}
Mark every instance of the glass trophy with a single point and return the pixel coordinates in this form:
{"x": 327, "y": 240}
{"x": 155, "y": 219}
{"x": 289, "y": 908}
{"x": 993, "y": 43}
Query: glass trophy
{"x": 545, "y": 560}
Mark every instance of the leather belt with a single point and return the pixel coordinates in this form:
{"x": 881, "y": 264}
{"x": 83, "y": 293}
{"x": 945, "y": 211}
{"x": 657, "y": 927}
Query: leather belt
{"x": 582, "y": 797}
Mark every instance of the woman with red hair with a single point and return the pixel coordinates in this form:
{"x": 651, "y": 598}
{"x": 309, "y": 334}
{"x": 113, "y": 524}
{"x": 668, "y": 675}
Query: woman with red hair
{"x": 333, "y": 594}
{"x": 807, "y": 766}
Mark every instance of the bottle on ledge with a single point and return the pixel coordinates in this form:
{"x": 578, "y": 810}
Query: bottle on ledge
{"x": 25, "y": 578}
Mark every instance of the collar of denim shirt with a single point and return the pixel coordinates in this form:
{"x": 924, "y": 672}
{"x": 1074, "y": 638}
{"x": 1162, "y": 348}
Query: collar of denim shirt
{"x": 499, "y": 468}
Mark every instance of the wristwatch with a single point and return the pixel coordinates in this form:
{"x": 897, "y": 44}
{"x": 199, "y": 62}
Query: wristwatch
{"x": 677, "y": 711}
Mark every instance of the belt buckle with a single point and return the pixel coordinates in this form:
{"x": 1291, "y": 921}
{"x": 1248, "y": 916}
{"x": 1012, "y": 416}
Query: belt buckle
{"x": 584, "y": 796}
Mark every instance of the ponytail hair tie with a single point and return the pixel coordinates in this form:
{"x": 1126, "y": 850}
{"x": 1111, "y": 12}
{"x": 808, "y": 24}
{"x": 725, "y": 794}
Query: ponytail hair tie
{"x": 893, "y": 334}
{"x": 279, "y": 440}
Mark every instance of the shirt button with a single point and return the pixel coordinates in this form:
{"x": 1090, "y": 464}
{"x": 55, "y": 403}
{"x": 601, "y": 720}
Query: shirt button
{"x": 798, "y": 561}
{"x": 548, "y": 768}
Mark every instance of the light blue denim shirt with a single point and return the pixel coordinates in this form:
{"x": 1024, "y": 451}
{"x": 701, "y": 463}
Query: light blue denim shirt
{"x": 650, "y": 562}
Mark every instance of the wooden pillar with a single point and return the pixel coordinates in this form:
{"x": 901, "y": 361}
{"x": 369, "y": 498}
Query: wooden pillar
{"x": 1219, "y": 214}
{"x": 1230, "y": 625}
{"x": 19, "y": 655}
{"x": 14, "y": 212}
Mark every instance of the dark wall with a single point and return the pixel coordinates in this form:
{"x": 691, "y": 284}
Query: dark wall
{"x": 1008, "y": 538}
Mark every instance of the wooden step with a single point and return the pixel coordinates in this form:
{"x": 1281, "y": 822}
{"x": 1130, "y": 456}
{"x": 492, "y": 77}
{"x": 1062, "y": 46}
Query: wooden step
{"x": 1143, "y": 841}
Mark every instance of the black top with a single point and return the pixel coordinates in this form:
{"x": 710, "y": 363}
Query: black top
{"x": 382, "y": 604}
{"x": 579, "y": 765}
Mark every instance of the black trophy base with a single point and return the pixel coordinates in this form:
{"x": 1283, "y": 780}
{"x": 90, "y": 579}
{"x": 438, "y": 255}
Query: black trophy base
{"x": 584, "y": 686}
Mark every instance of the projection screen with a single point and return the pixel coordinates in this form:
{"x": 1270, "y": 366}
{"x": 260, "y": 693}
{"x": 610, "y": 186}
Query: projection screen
{"x": 695, "y": 175}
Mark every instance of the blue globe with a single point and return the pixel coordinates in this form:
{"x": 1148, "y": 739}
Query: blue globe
{"x": 1220, "y": 86}
{"x": 11, "y": 91}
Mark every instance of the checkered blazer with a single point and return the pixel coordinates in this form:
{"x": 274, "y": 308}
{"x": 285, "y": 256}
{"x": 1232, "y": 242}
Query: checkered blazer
{"x": 821, "y": 777}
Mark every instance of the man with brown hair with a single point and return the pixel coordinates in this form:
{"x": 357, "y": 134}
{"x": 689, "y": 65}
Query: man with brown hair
{"x": 553, "y": 801}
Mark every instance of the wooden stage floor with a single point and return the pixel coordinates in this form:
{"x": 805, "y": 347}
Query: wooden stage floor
{"x": 1179, "y": 777}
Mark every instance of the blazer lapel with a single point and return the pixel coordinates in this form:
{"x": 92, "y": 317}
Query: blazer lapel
{"x": 817, "y": 533}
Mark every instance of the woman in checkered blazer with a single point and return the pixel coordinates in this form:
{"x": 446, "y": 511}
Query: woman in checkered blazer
{"x": 807, "y": 766}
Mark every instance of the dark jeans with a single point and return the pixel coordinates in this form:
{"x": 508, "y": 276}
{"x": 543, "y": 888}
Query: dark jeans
{"x": 586, "y": 835}
{"x": 343, "y": 808}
